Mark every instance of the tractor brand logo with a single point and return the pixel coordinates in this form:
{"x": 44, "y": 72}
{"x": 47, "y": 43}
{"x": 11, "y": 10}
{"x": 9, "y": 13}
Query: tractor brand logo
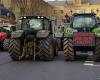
{"x": 83, "y": 38}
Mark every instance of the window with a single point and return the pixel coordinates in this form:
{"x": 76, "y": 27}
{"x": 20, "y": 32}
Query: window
{"x": 35, "y": 24}
{"x": 61, "y": 11}
{"x": 55, "y": 12}
{"x": 80, "y": 21}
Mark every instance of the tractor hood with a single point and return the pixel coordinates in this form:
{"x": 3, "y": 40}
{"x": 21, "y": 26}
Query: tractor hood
{"x": 17, "y": 34}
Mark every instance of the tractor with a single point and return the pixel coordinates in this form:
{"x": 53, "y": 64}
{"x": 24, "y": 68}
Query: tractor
{"x": 5, "y": 34}
{"x": 7, "y": 22}
{"x": 83, "y": 35}
{"x": 33, "y": 39}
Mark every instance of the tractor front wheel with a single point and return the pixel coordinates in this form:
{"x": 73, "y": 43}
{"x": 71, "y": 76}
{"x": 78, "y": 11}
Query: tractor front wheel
{"x": 97, "y": 50}
{"x": 68, "y": 49}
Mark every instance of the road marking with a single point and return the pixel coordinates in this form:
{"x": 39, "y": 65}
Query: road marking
{"x": 89, "y": 63}
{"x": 96, "y": 65}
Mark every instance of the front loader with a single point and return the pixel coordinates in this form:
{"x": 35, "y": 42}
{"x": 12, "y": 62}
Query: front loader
{"x": 33, "y": 39}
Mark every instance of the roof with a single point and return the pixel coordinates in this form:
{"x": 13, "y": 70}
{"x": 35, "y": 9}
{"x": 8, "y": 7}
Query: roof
{"x": 94, "y": 2}
{"x": 76, "y": 14}
{"x": 56, "y": 3}
{"x": 61, "y": 3}
{"x": 91, "y": 1}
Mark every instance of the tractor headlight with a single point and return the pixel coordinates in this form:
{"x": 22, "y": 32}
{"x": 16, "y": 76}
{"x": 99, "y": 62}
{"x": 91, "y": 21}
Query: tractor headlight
{"x": 38, "y": 17}
{"x": 24, "y": 17}
{"x": 42, "y": 17}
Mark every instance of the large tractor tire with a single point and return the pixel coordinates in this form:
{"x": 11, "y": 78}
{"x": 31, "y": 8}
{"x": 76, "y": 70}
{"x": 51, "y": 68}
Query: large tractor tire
{"x": 97, "y": 50}
{"x": 6, "y": 44}
{"x": 46, "y": 49}
{"x": 68, "y": 49}
{"x": 16, "y": 49}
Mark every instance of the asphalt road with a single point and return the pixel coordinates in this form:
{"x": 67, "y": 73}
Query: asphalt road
{"x": 52, "y": 70}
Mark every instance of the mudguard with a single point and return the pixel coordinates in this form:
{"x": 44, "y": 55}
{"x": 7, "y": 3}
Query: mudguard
{"x": 42, "y": 33}
{"x": 17, "y": 34}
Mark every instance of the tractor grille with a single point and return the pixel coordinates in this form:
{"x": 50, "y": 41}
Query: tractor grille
{"x": 84, "y": 39}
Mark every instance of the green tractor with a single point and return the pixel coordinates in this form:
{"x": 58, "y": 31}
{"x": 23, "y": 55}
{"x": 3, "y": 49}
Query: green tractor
{"x": 82, "y": 35}
{"x": 33, "y": 39}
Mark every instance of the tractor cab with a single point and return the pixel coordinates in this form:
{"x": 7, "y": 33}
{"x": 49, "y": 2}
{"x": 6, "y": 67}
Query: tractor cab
{"x": 33, "y": 23}
{"x": 34, "y": 39}
{"x": 84, "y": 22}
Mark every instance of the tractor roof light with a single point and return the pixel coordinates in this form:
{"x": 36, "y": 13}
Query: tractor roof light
{"x": 24, "y": 17}
{"x": 42, "y": 17}
{"x": 38, "y": 17}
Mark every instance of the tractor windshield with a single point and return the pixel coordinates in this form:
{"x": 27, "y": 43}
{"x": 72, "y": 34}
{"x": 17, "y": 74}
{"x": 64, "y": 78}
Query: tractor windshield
{"x": 35, "y": 24}
{"x": 27, "y": 24}
{"x": 84, "y": 21}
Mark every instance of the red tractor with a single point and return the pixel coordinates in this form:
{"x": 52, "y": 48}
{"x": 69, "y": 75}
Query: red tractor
{"x": 5, "y": 32}
{"x": 4, "y": 35}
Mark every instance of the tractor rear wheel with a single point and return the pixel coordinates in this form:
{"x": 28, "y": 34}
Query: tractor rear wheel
{"x": 16, "y": 49}
{"x": 68, "y": 49}
{"x": 46, "y": 49}
{"x": 97, "y": 50}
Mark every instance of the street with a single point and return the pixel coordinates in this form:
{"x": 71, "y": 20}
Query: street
{"x": 52, "y": 70}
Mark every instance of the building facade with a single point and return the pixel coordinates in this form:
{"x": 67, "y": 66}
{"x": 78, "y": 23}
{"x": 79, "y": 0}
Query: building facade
{"x": 31, "y": 7}
{"x": 40, "y": 7}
